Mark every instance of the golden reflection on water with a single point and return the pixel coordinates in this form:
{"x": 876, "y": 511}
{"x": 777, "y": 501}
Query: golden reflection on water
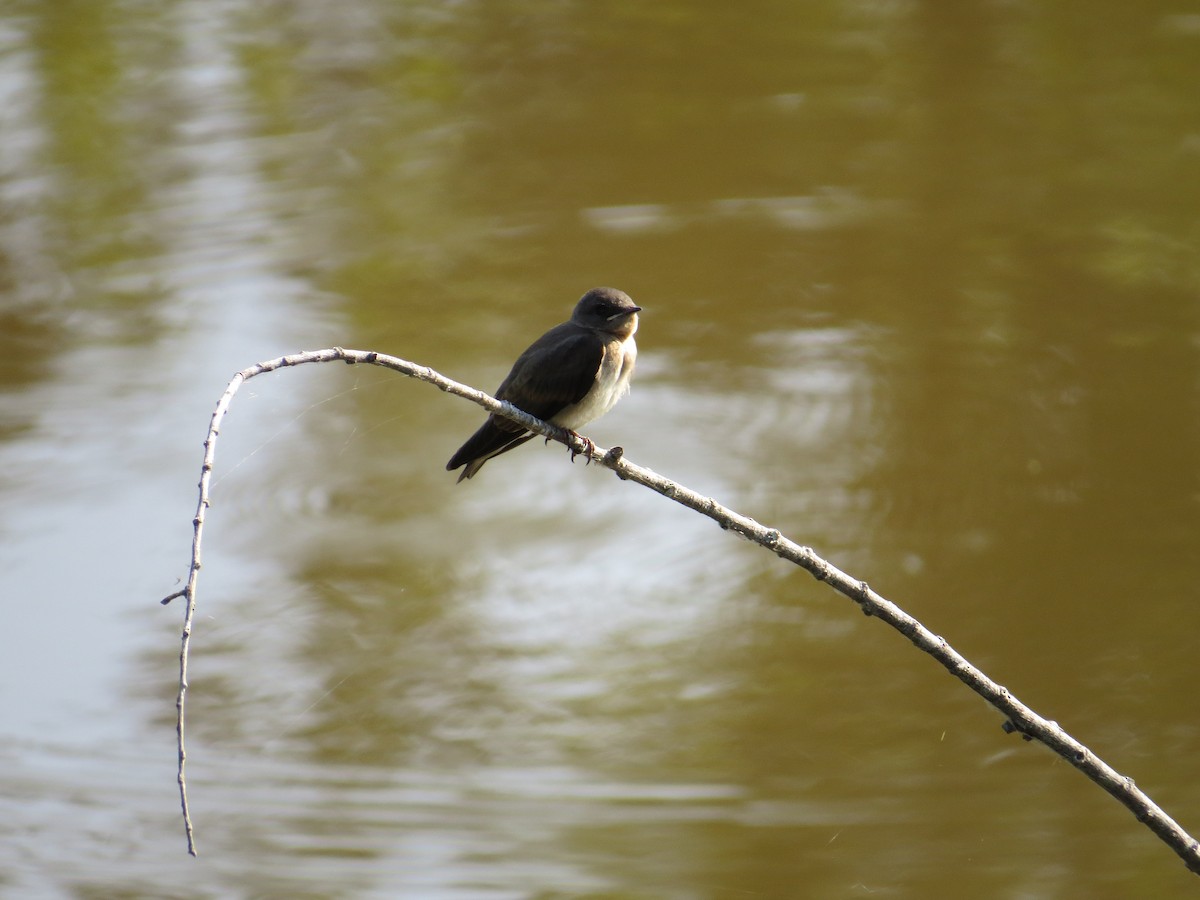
{"x": 919, "y": 286}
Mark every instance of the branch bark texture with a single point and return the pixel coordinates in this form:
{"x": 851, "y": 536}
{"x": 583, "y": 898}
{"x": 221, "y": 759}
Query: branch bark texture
{"x": 1017, "y": 716}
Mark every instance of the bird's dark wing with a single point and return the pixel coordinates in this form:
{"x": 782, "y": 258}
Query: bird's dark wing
{"x": 557, "y": 370}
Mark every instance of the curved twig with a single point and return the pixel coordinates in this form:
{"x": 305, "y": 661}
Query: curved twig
{"x": 1018, "y": 717}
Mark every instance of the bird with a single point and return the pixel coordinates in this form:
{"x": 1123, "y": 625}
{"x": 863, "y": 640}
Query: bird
{"x": 571, "y": 375}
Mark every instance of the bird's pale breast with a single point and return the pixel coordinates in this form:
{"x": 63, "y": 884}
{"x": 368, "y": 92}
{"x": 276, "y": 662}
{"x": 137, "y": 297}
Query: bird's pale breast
{"x": 612, "y": 382}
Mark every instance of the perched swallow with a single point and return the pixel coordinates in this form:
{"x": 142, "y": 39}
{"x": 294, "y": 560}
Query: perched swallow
{"x": 571, "y": 375}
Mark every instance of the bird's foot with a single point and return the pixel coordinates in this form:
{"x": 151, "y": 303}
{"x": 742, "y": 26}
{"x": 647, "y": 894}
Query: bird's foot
{"x": 589, "y": 446}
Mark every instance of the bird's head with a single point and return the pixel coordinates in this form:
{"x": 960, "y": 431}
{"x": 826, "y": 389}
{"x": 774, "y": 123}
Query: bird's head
{"x": 609, "y": 310}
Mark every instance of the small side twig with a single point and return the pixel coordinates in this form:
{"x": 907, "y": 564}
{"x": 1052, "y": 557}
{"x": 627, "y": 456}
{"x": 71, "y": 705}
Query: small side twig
{"x": 1017, "y": 716}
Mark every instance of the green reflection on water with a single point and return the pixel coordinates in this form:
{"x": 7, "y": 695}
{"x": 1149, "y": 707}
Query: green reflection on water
{"x": 920, "y": 290}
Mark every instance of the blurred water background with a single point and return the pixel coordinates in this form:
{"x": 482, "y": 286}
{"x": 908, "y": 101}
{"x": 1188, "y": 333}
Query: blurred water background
{"x": 922, "y": 289}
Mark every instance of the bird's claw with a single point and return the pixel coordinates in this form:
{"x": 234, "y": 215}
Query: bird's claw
{"x": 589, "y": 446}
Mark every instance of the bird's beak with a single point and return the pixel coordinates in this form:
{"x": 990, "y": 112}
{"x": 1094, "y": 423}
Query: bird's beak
{"x": 624, "y": 312}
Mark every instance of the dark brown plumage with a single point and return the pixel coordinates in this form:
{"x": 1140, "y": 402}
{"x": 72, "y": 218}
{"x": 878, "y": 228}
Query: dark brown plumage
{"x": 571, "y": 375}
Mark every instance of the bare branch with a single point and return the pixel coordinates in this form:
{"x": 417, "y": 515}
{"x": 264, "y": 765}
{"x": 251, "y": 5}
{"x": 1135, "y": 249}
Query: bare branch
{"x": 1017, "y": 716}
